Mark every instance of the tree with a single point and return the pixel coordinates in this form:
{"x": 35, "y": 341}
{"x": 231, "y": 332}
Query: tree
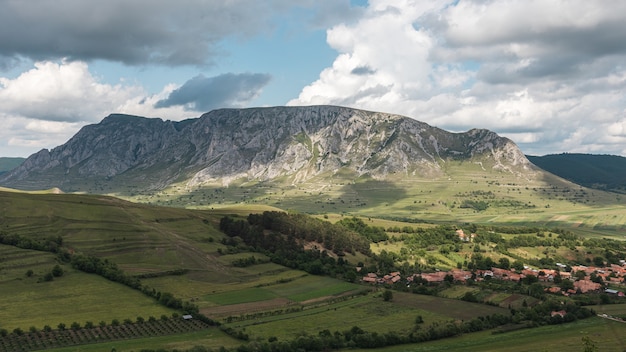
{"x": 504, "y": 263}
{"x": 588, "y": 344}
{"x": 29, "y": 273}
{"x": 48, "y": 277}
{"x": 387, "y": 295}
{"x": 57, "y": 271}
{"x": 566, "y": 285}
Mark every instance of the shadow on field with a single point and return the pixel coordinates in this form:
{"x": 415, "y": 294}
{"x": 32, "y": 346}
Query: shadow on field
{"x": 371, "y": 193}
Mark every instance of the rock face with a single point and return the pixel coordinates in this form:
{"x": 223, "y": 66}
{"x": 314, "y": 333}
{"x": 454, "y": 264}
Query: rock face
{"x": 292, "y": 143}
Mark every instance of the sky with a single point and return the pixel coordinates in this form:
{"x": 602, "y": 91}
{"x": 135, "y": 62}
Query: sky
{"x": 548, "y": 74}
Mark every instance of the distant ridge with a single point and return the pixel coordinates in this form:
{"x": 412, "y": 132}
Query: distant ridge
{"x": 606, "y": 172}
{"x": 8, "y": 164}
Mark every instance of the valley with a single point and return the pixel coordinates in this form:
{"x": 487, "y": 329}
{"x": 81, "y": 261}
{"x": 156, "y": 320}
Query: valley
{"x": 310, "y": 228}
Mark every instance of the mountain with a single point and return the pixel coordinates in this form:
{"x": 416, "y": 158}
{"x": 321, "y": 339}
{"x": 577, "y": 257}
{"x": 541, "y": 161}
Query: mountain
{"x": 606, "y": 172}
{"x": 290, "y": 144}
{"x": 7, "y": 164}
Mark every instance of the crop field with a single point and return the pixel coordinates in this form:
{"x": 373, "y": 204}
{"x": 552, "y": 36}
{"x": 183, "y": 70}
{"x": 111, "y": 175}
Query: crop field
{"x": 211, "y": 338}
{"x": 265, "y": 299}
{"x": 73, "y": 297}
{"x": 369, "y": 312}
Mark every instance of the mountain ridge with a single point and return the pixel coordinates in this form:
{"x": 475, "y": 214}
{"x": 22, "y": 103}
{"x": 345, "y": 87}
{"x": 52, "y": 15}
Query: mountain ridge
{"x": 297, "y": 143}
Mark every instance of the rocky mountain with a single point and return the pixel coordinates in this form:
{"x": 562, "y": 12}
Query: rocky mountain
{"x": 290, "y": 144}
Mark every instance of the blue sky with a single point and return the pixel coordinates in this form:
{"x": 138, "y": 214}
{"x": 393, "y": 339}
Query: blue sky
{"x": 548, "y": 74}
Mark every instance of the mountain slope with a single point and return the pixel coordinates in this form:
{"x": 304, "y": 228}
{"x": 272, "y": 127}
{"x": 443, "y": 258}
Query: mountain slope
{"x": 295, "y": 144}
{"x": 607, "y": 172}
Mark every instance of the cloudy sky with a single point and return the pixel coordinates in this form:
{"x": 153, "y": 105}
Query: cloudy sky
{"x": 549, "y": 74}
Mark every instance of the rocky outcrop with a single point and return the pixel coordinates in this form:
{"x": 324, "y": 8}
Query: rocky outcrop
{"x": 294, "y": 143}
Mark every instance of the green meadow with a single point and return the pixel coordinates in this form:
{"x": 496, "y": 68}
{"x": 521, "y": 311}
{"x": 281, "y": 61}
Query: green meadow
{"x": 604, "y": 335}
{"x": 175, "y": 247}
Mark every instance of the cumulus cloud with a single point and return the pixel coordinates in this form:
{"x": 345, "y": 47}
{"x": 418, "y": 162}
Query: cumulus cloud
{"x": 62, "y": 92}
{"x": 44, "y": 106}
{"x": 206, "y": 93}
{"x": 549, "y": 74}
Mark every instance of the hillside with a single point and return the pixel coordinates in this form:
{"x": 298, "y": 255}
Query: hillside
{"x": 606, "y": 172}
{"x": 316, "y": 159}
{"x": 8, "y": 164}
{"x": 259, "y": 283}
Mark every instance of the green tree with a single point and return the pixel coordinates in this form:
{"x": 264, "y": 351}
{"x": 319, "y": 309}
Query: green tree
{"x": 57, "y": 271}
{"x": 387, "y": 295}
{"x": 588, "y": 344}
{"x": 48, "y": 277}
{"x": 566, "y": 285}
{"x": 504, "y": 263}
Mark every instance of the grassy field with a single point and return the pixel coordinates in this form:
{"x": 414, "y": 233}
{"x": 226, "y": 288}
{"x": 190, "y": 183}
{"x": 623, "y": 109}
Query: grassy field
{"x": 73, "y": 297}
{"x": 369, "y": 312}
{"x": 144, "y": 239}
{"x": 212, "y": 338}
{"x": 536, "y": 199}
{"x": 605, "y": 334}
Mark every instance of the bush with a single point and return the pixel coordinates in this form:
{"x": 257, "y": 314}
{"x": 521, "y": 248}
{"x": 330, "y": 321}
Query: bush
{"x": 387, "y": 295}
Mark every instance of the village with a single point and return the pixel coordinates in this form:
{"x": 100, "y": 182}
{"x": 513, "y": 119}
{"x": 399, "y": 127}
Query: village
{"x": 584, "y": 279}
{"x": 565, "y": 280}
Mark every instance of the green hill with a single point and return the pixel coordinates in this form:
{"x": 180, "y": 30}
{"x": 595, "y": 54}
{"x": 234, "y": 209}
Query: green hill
{"x": 606, "y": 172}
{"x": 107, "y": 273}
{"x": 8, "y": 164}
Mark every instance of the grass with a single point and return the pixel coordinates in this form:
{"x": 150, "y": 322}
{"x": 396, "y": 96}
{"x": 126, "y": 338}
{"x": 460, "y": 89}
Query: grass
{"x": 212, "y": 338}
{"x": 243, "y": 296}
{"x": 368, "y": 312}
{"x": 74, "y": 297}
{"x": 606, "y": 335}
{"x": 142, "y": 239}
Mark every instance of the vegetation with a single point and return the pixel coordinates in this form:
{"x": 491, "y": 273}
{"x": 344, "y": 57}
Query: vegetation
{"x": 278, "y": 280}
{"x": 595, "y": 171}
{"x": 8, "y": 164}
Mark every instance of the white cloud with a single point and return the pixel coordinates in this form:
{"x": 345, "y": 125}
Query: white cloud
{"x": 547, "y": 72}
{"x": 64, "y": 91}
{"x": 45, "y": 106}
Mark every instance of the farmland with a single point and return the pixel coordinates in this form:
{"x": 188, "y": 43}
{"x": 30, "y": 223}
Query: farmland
{"x": 182, "y": 254}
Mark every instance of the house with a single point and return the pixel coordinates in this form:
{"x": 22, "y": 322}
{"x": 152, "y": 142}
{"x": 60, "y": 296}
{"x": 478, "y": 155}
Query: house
{"x": 371, "y": 280}
{"x": 558, "y": 312}
{"x": 553, "y": 289}
{"x": 187, "y": 317}
{"x": 465, "y": 237}
{"x": 586, "y": 286}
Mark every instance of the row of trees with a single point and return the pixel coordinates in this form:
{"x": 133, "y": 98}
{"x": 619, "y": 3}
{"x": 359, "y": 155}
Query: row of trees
{"x": 47, "y": 244}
